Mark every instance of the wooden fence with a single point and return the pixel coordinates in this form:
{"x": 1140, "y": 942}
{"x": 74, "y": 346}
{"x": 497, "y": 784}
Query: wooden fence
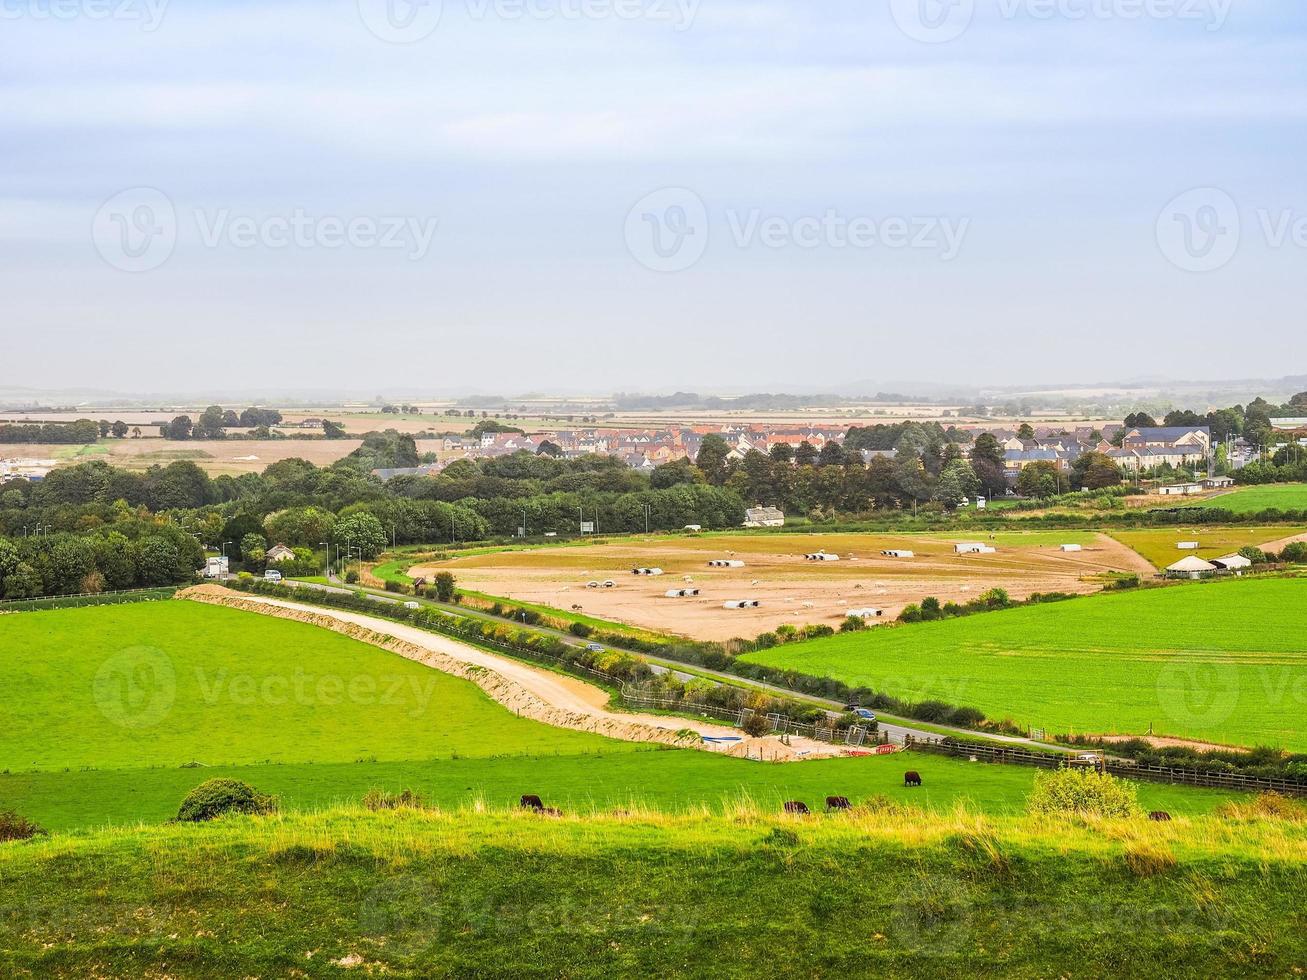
{"x": 1158, "y": 774}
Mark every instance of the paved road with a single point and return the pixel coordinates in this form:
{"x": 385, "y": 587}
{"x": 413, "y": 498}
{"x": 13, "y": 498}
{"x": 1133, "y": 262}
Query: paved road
{"x": 898, "y": 729}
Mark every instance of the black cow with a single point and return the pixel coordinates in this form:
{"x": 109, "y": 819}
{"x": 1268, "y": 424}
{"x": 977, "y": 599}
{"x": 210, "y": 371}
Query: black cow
{"x": 911, "y": 778}
{"x": 533, "y": 803}
{"x": 797, "y": 806}
{"x": 1159, "y": 815}
{"x": 837, "y": 803}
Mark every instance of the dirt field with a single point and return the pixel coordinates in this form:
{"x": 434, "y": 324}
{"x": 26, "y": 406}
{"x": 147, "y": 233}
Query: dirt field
{"x": 234, "y": 456}
{"x": 791, "y": 589}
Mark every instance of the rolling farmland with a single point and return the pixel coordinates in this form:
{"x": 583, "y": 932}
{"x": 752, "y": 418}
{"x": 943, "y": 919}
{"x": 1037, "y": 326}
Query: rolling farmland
{"x": 791, "y": 589}
{"x": 1221, "y": 661}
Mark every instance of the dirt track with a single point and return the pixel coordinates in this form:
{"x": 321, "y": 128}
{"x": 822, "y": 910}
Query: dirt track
{"x": 530, "y": 692}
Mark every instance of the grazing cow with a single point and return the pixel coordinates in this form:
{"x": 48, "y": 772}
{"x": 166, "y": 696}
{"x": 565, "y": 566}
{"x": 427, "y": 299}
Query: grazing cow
{"x": 532, "y": 803}
{"x": 911, "y": 778}
{"x": 1159, "y": 815}
{"x": 797, "y": 806}
{"x": 837, "y": 803}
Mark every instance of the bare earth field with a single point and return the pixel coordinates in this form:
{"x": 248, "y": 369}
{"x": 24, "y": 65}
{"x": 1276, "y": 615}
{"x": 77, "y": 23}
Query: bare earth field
{"x": 234, "y": 456}
{"x": 791, "y": 589}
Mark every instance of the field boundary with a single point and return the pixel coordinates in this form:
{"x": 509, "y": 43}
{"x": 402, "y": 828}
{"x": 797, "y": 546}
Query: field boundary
{"x": 89, "y": 599}
{"x": 1157, "y": 774}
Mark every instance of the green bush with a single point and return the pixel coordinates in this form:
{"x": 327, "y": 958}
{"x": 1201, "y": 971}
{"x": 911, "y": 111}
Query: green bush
{"x": 1084, "y": 792}
{"x": 13, "y": 827}
{"x": 580, "y": 629}
{"x": 218, "y": 797}
{"x": 757, "y": 725}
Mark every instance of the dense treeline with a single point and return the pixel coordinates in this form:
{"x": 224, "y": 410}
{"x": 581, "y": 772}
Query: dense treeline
{"x": 81, "y": 432}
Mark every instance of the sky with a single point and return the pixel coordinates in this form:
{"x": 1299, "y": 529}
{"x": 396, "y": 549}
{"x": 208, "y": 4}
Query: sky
{"x": 646, "y": 195}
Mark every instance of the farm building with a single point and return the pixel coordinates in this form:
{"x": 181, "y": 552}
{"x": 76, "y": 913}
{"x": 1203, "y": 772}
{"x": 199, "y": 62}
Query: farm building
{"x": 764, "y": 517}
{"x": 725, "y": 563}
{"x": 821, "y": 556}
{"x": 898, "y": 553}
{"x": 1191, "y": 567}
{"x": 1232, "y": 563}
{"x": 867, "y": 613}
{"x": 973, "y": 548}
{"x": 742, "y": 604}
{"x": 1188, "y": 546}
{"x": 1218, "y": 483}
{"x": 1180, "y": 490}
{"x": 681, "y": 593}
{"x": 646, "y": 571}
{"x": 1071, "y": 547}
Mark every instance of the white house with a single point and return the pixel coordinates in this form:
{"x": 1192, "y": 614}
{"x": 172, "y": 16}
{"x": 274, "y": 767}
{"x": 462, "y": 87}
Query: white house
{"x": 761, "y": 516}
{"x": 1180, "y": 490}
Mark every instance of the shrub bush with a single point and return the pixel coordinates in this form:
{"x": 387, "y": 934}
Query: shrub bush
{"x": 379, "y": 799}
{"x": 14, "y": 827}
{"x": 1084, "y": 792}
{"x": 218, "y": 797}
{"x": 757, "y": 725}
{"x": 581, "y": 630}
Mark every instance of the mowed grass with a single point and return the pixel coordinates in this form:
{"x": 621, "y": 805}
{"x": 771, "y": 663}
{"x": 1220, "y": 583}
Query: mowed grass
{"x": 167, "y": 683}
{"x": 667, "y": 779}
{"x": 1158, "y": 545}
{"x": 1220, "y": 661}
{"x": 1253, "y": 500}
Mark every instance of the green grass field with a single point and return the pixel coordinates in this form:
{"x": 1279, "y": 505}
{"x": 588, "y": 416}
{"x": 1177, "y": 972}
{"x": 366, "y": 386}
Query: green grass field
{"x": 168, "y": 683}
{"x": 668, "y": 779}
{"x": 1158, "y": 545}
{"x": 1221, "y": 661}
{"x": 1253, "y": 500}
{"x": 83, "y": 746}
{"x": 429, "y": 894}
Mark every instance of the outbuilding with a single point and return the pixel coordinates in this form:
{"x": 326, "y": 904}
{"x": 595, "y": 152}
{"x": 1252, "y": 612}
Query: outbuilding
{"x": 1072, "y": 547}
{"x": 1232, "y": 563}
{"x": 1191, "y": 567}
{"x": 725, "y": 563}
{"x": 869, "y": 613}
{"x": 1188, "y": 546}
{"x": 898, "y": 553}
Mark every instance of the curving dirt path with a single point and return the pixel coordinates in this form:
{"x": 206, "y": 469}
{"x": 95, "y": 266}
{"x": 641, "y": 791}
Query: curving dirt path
{"x": 531, "y": 692}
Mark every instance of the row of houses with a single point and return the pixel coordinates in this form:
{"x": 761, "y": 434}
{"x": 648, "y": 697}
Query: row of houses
{"x": 1141, "y": 449}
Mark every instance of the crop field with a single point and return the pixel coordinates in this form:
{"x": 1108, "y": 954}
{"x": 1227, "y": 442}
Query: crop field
{"x": 1159, "y": 545}
{"x": 791, "y": 589}
{"x": 111, "y": 714}
{"x": 1222, "y": 662}
{"x": 1253, "y": 500}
